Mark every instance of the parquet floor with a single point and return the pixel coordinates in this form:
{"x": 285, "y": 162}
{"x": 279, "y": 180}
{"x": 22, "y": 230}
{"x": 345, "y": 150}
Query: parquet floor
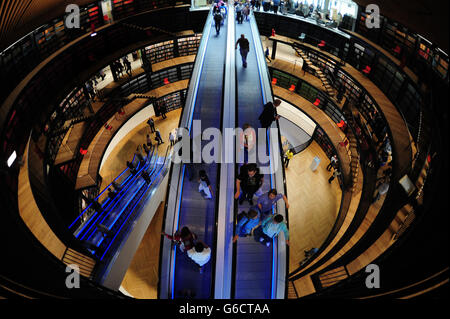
{"x": 314, "y": 204}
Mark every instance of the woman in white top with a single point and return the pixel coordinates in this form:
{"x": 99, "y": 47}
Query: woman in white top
{"x": 200, "y": 254}
{"x": 248, "y": 141}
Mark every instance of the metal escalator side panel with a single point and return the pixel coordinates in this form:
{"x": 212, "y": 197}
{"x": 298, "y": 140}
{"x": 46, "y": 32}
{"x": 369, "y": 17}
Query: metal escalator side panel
{"x": 224, "y": 247}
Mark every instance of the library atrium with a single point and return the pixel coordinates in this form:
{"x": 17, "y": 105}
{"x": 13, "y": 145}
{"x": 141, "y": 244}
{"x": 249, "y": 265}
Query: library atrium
{"x": 164, "y": 149}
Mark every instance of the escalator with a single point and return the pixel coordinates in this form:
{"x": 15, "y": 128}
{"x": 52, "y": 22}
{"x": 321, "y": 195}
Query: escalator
{"x": 186, "y": 205}
{"x": 104, "y": 229}
{"x": 222, "y": 95}
{"x": 257, "y": 268}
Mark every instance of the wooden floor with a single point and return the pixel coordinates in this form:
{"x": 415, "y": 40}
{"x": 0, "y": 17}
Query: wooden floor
{"x": 314, "y": 204}
{"x": 123, "y": 152}
{"x": 141, "y": 279}
{"x": 87, "y": 174}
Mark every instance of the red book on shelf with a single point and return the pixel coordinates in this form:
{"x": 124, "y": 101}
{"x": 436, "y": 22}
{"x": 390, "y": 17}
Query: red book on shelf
{"x": 274, "y": 81}
{"x": 317, "y": 102}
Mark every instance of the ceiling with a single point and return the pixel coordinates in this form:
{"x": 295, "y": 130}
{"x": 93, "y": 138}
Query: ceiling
{"x": 428, "y": 18}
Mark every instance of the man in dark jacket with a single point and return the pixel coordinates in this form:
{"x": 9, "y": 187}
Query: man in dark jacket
{"x": 249, "y": 181}
{"x": 217, "y": 21}
{"x": 244, "y": 48}
{"x": 269, "y": 114}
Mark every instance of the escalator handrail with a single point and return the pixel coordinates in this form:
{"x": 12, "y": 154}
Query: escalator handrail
{"x": 123, "y": 192}
{"x": 96, "y": 198}
{"x": 225, "y": 214}
{"x": 147, "y": 188}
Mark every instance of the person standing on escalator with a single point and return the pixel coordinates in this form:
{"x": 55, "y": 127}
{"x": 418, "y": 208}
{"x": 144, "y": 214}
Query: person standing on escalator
{"x": 184, "y": 238}
{"x": 200, "y": 254}
{"x": 217, "y": 21}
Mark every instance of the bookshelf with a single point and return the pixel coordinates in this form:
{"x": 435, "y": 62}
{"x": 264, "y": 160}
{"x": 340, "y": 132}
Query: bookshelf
{"x": 324, "y": 142}
{"x": 373, "y": 33}
{"x": 158, "y": 78}
{"x": 138, "y": 84}
{"x": 186, "y": 71}
{"x": 410, "y": 104}
{"x": 321, "y": 62}
{"x": 160, "y": 51}
{"x": 440, "y": 65}
{"x": 171, "y": 101}
{"x": 310, "y": 93}
{"x": 123, "y": 8}
{"x": 395, "y": 35}
{"x": 352, "y": 90}
{"x": 188, "y": 45}
{"x": 387, "y": 77}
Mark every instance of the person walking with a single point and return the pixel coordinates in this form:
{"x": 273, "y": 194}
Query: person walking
{"x": 249, "y": 180}
{"x": 146, "y": 149}
{"x": 266, "y": 201}
{"x": 151, "y": 123}
{"x": 139, "y": 154}
{"x": 244, "y": 48}
{"x": 205, "y": 184}
{"x": 258, "y": 5}
{"x": 382, "y": 189}
{"x": 200, "y": 254}
{"x": 184, "y": 238}
{"x": 158, "y": 137}
{"x": 119, "y": 68}
{"x": 172, "y": 139}
{"x": 163, "y": 111}
{"x": 270, "y": 228}
{"x": 333, "y": 163}
{"x": 246, "y": 222}
{"x": 239, "y": 16}
{"x": 287, "y": 157}
{"x": 336, "y": 173}
{"x": 276, "y": 4}
{"x": 127, "y": 65}
{"x": 217, "y": 21}
{"x": 246, "y": 11}
{"x": 248, "y": 141}
{"x": 269, "y": 114}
